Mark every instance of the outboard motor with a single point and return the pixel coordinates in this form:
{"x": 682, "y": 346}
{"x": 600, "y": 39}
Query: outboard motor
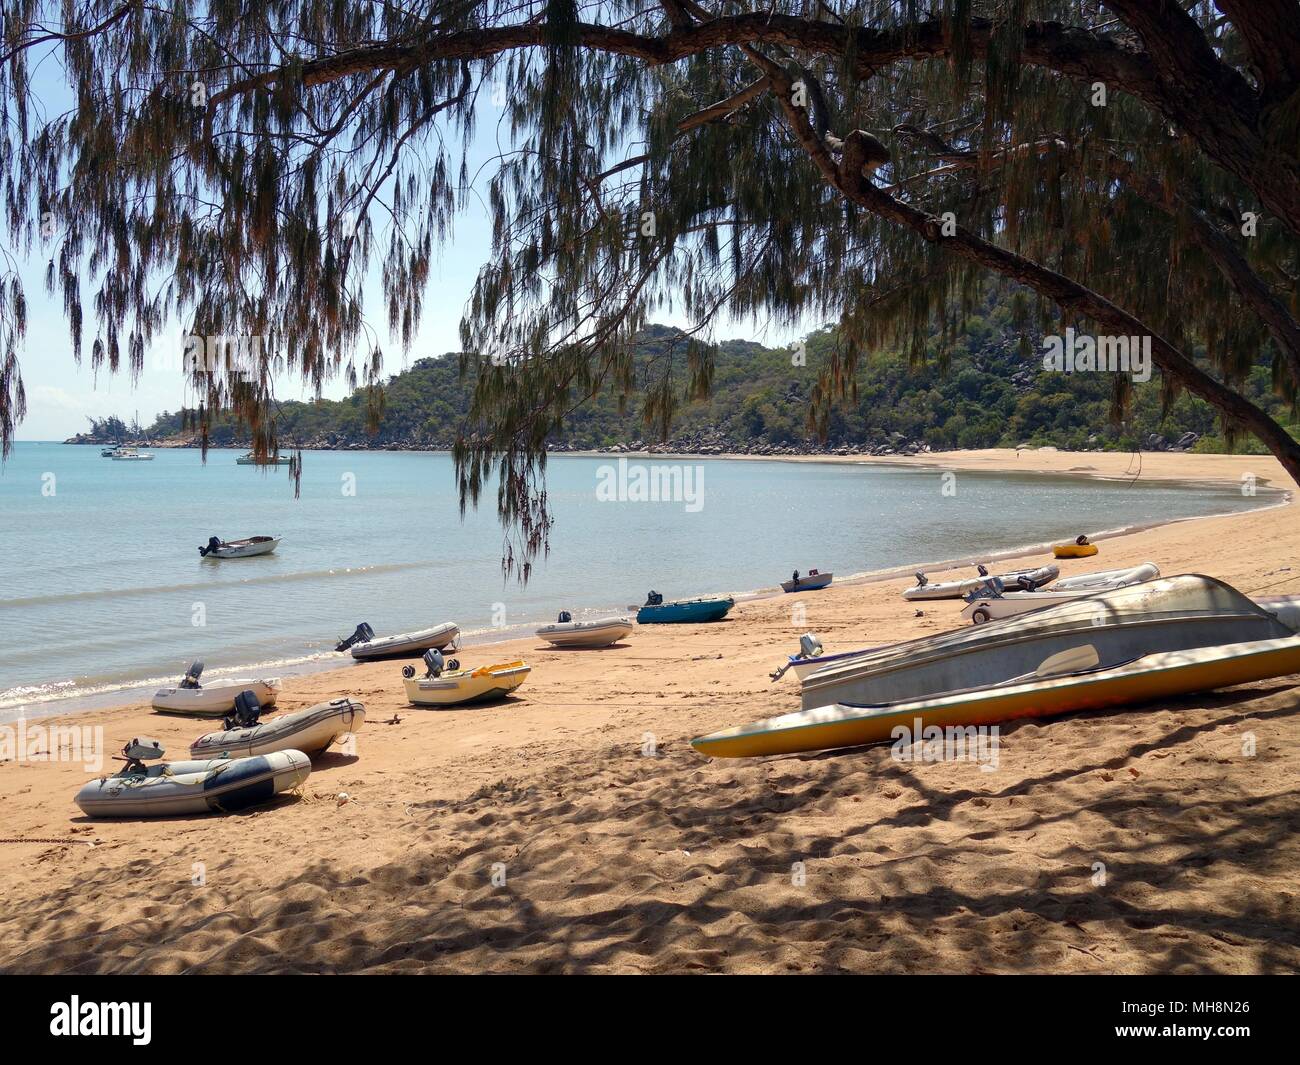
{"x": 809, "y": 646}
{"x": 795, "y": 577}
{"x": 214, "y": 542}
{"x": 921, "y": 579}
{"x": 191, "y": 678}
{"x": 434, "y": 662}
{"x": 1026, "y": 582}
{"x": 138, "y": 751}
{"x": 565, "y": 617}
{"x": 654, "y": 599}
{"x": 983, "y": 570}
{"x": 363, "y": 634}
{"x": 246, "y": 713}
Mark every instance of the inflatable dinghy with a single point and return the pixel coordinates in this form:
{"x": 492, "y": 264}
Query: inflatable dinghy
{"x": 364, "y": 644}
{"x": 311, "y": 731}
{"x": 925, "y": 590}
{"x": 598, "y": 633}
{"x": 212, "y": 700}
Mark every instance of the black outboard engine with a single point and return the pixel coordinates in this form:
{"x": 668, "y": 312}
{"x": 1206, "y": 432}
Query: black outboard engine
{"x": 565, "y": 617}
{"x": 246, "y": 713}
{"x": 191, "y": 678}
{"x": 214, "y": 542}
{"x": 983, "y": 570}
{"x": 654, "y": 599}
{"x": 434, "y": 662}
{"x": 796, "y": 577}
{"x": 921, "y": 579}
{"x": 363, "y": 634}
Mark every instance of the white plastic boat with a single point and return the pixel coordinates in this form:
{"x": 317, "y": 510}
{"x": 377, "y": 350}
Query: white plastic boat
{"x": 404, "y": 643}
{"x": 129, "y": 454}
{"x": 311, "y": 731}
{"x": 925, "y": 590}
{"x": 212, "y": 700}
{"x": 989, "y": 602}
{"x": 169, "y": 789}
{"x": 459, "y": 686}
{"x": 600, "y": 632}
{"x": 246, "y": 548}
{"x": 271, "y": 460}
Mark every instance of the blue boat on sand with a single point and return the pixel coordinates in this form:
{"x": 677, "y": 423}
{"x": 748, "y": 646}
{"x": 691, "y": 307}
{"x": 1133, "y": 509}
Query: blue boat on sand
{"x": 657, "y": 612}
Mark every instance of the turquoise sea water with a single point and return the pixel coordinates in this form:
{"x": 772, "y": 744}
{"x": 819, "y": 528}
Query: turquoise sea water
{"x": 102, "y": 588}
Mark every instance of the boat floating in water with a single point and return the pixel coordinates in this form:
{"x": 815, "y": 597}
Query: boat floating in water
{"x": 169, "y": 789}
{"x": 246, "y": 548}
{"x": 1167, "y": 637}
{"x": 311, "y": 730}
{"x": 364, "y": 644}
{"x": 600, "y": 632}
{"x": 993, "y": 601}
{"x": 270, "y": 460}
{"x": 128, "y": 454}
{"x": 446, "y": 684}
{"x": 809, "y": 582}
{"x": 1080, "y": 548}
{"x": 211, "y": 700}
{"x": 657, "y": 612}
{"x": 925, "y": 590}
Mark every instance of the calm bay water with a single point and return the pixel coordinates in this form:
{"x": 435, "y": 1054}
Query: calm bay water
{"x": 102, "y": 588}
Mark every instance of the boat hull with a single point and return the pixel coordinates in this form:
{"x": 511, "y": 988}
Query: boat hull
{"x": 957, "y": 589}
{"x": 1014, "y": 602}
{"x": 406, "y": 643}
{"x": 467, "y": 686}
{"x": 240, "y": 549}
{"x": 685, "y": 612}
{"x": 311, "y": 731}
{"x": 180, "y": 788}
{"x": 587, "y": 634}
{"x": 1074, "y": 550}
{"x": 1152, "y": 677}
{"x": 807, "y": 584}
{"x": 216, "y": 700}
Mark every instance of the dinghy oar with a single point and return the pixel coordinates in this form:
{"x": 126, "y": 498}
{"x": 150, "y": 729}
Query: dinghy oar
{"x": 1071, "y": 660}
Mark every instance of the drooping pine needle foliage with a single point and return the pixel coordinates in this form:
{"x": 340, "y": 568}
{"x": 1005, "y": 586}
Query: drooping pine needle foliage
{"x": 1130, "y": 166}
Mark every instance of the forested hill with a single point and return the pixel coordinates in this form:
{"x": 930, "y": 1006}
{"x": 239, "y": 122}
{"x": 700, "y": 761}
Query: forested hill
{"x": 991, "y": 394}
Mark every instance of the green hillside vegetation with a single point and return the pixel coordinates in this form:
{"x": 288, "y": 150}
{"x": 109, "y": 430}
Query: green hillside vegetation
{"x": 992, "y": 392}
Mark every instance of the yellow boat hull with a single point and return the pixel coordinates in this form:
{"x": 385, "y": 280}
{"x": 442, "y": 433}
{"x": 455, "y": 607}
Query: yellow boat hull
{"x": 467, "y": 685}
{"x": 1157, "y": 676}
{"x": 1074, "y": 550}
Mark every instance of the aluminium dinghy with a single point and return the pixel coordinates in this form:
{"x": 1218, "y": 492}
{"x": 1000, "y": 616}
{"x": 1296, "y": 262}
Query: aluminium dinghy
{"x": 249, "y": 547}
{"x": 599, "y": 632}
{"x": 171, "y": 789}
{"x": 809, "y": 582}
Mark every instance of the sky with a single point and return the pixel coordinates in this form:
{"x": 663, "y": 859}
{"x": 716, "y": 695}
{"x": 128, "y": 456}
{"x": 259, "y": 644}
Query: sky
{"x": 61, "y": 394}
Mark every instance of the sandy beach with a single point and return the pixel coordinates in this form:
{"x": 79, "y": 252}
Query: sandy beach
{"x": 573, "y": 828}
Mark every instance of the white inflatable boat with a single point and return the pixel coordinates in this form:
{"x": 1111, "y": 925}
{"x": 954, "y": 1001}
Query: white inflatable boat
{"x": 311, "y": 731}
{"x": 212, "y": 700}
{"x": 991, "y": 602}
{"x": 925, "y": 591}
{"x": 176, "y": 788}
{"x": 600, "y": 632}
{"x": 364, "y": 644}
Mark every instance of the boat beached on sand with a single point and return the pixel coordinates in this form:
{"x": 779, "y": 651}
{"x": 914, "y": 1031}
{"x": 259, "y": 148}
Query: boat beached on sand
{"x": 211, "y": 700}
{"x": 1166, "y": 637}
{"x": 446, "y": 684}
{"x": 599, "y": 632}
{"x": 364, "y": 644}
{"x": 246, "y": 548}
{"x": 657, "y": 612}
{"x": 169, "y": 789}
{"x": 1080, "y": 548}
{"x": 925, "y": 590}
{"x": 992, "y": 601}
{"x": 311, "y": 730}
{"x": 810, "y": 582}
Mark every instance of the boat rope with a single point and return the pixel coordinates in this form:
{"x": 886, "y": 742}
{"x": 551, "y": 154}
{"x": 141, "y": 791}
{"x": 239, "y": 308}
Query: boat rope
{"x": 1275, "y": 584}
{"x": 41, "y": 839}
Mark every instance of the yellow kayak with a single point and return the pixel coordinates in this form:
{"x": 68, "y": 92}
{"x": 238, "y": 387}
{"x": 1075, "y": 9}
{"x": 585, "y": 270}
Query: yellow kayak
{"x": 1151, "y": 677}
{"x": 1080, "y": 548}
{"x": 467, "y": 685}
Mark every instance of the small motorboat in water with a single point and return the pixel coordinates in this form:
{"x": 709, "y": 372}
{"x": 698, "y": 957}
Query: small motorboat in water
{"x": 246, "y": 548}
{"x": 810, "y": 582}
{"x": 446, "y": 684}
{"x": 925, "y": 590}
{"x": 311, "y": 730}
{"x": 129, "y": 454}
{"x": 270, "y": 460}
{"x": 657, "y": 612}
{"x": 994, "y": 601}
{"x": 169, "y": 789}
{"x": 600, "y": 632}
{"x": 212, "y": 700}
{"x": 364, "y": 644}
